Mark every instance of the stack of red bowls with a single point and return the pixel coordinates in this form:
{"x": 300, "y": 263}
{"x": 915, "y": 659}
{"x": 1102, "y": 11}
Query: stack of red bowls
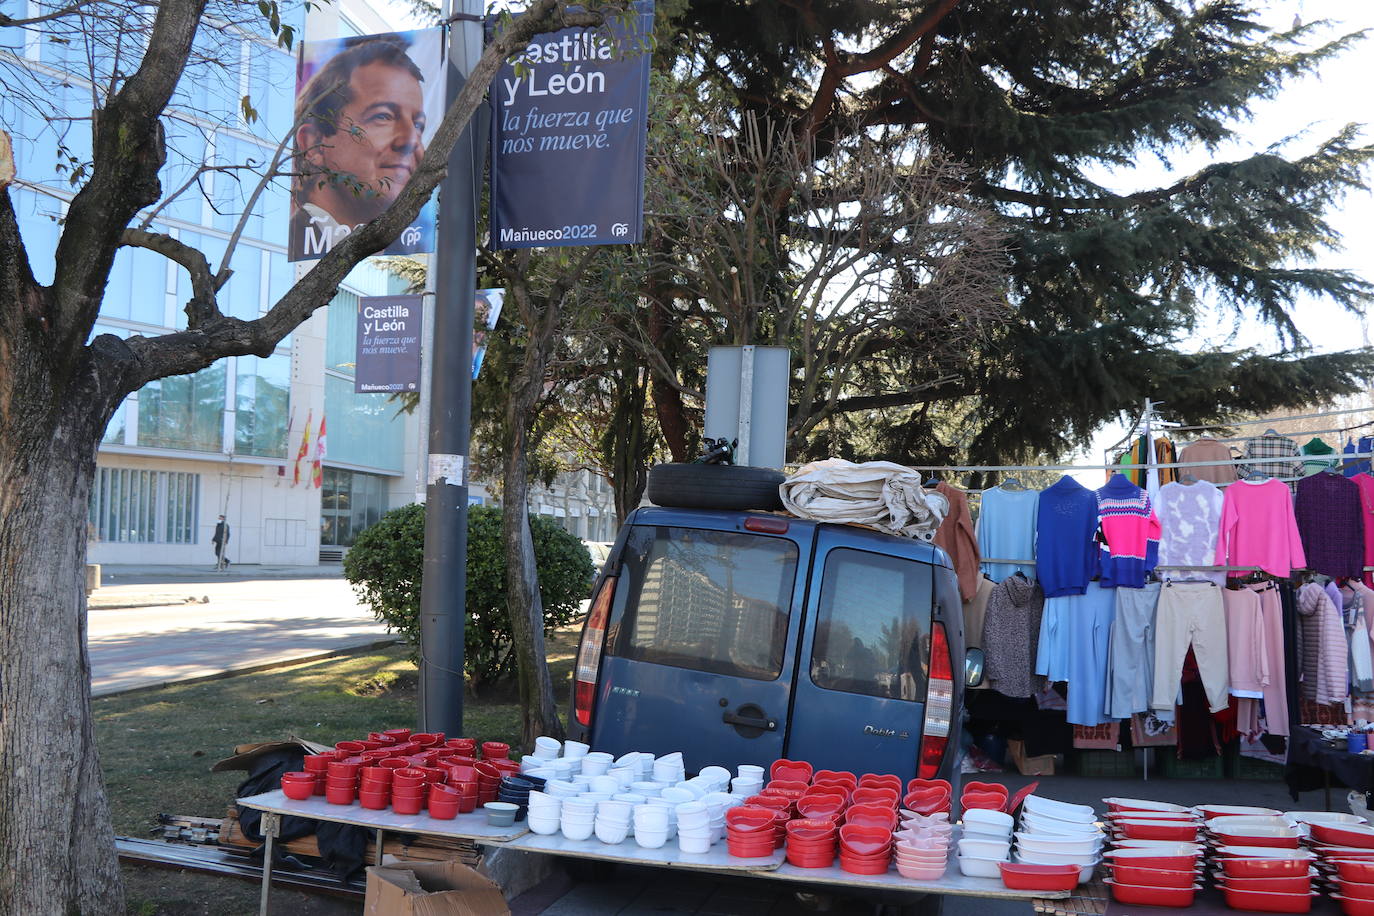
{"x": 409, "y": 790}
{"x": 317, "y": 765}
{"x": 865, "y": 849}
{"x": 298, "y": 785}
{"x": 751, "y": 831}
{"x": 823, "y": 802}
{"x": 374, "y": 787}
{"x": 495, "y": 750}
{"x": 466, "y": 747}
{"x": 341, "y": 781}
{"x": 351, "y": 747}
{"x": 463, "y": 778}
{"x": 488, "y": 781}
{"x": 445, "y": 801}
{"x": 811, "y": 842}
{"x": 841, "y": 781}
{"x": 927, "y": 796}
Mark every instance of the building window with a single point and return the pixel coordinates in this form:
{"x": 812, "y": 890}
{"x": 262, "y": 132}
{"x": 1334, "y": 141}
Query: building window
{"x": 350, "y": 501}
{"x": 184, "y": 411}
{"x": 262, "y": 395}
{"x": 145, "y": 507}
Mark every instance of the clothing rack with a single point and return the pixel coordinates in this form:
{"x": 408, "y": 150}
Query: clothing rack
{"x": 1302, "y": 432}
{"x": 964, "y": 468}
{"x": 1270, "y": 420}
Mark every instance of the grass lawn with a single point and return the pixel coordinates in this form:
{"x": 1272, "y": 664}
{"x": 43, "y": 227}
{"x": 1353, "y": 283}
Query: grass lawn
{"x": 156, "y": 747}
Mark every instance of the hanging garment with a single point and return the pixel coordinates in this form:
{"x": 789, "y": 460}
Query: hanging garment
{"x": 1361, "y": 656}
{"x": 1052, "y": 648}
{"x": 975, "y": 611}
{"x": 1090, "y": 625}
{"x": 1258, "y": 528}
{"x": 1006, "y": 530}
{"x": 1247, "y": 650}
{"x": 1209, "y": 449}
{"x": 1189, "y": 519}
{"x": 1329, "y": 520}
{"x": 1292, "y": 656}
{"x": 1366, "y": 604}
{"x": 1316, "y": 447}
{"x": 1131, "y": 652}
{"x": 1324, "y": 650}
{"x": 1191, "y": 614}
{"x": 1357, "y": 465}
{"x": 1011, "y": 630}
{"x": 1129, "y": 532}
{"x": 1285, "y": 452}
{"x": 1066, "y": 551}
{"x": 1280, "y": 655}
{"x": 1166, "y": 454}
{"x": 955, "y": 537}
{"x": 1366, "y": 484}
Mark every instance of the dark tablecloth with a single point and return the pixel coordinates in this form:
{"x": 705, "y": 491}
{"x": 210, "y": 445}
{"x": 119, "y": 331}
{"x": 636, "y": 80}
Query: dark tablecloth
{"x": 1312, "y": 759}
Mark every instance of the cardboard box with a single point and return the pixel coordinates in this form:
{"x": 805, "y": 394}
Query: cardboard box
{"x": 431, "y": 889}
{"x": 1029, "y": 766}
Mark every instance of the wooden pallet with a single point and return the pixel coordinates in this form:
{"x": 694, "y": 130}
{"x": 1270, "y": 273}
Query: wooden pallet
{"x": 429, "y": 848}
{"x": 1089, "y": 900}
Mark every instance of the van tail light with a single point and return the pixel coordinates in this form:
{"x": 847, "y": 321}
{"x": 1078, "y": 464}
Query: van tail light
{"x": 939, "y": 704}
{"x": 589, "y": 652}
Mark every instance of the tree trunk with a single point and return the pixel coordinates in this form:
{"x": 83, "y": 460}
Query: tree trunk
{"x": 539, "y": 709}
{"x": 626, "y": 445}
{"x": 48, "y": 864}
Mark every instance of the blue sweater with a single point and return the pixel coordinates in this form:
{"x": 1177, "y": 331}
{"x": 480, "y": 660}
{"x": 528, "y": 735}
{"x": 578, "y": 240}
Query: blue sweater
{"x": 1066, "y": 549}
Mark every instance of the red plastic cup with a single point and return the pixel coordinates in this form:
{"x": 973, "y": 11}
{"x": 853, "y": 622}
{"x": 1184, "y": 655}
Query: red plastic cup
{"x": 374, "y": 801}
{"x": 394, "y": 763}
{"x": 400, "y": 734}
{"x": 344, "y": 768}
{"x": 318, "y": 763}
{"x": 495, "y": 750}
{"x": 353, "y": 747}
{"x": 425, "y": 739}
{"x": 466, "y": 746}
{"x": 402, "y": 804}
{"x": 338, "y": 796}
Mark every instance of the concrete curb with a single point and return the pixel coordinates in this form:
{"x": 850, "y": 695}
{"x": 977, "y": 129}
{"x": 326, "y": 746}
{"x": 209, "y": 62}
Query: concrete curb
{"x": 247, "y": 669}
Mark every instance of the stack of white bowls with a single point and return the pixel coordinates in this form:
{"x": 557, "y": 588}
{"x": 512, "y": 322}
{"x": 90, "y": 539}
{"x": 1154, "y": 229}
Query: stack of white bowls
{"x": 561, "y": 789}
{"x": 694, "y": 831}
{"x": 748, "y": 782}
{"x": 651, "y": 825}
{"x": 596, "y": 763}
{"x": 546, "y": 748}
{"x": 986, "y": 842}
{"x": 718, "y": 777}
{"x": 1058, "y": 833}
{"x": 578, "y": 818}
{"x": 719, "y": 803}
{"x": 676, "y": 795}
{"x": 648, "y": 788}
{"x": 545, "y": 813}
{"x": 669, "y": 768}
{"x": 613, "y": 821}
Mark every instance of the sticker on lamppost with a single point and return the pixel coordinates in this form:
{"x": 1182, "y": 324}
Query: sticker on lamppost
{"x": 569, "y": 124}
{"x": 486, "y": 308}
{"x": 388, "y": 357}
{"x": 366, "y": 106}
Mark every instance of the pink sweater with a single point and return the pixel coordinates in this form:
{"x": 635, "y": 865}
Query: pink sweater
{"x": 1258, "y": 528}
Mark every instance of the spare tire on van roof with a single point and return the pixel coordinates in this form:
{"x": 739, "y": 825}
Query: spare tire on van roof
{"x": 714, "y": 486}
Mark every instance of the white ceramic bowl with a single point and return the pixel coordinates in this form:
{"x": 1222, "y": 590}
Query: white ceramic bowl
{"x": 980, "y": 868}
{"x": 1036, "y": 842}
{"x": 1062, "y": 810}
{"x": 693, "y": 844}
{"x": 650, "y": 839}
{"x": 676, "y": 795}
{"x": 750, "y": 769}
{"x": 987, "y": 820}
{"x": 575, "y": 749}
{"x": 544, "y": 826}
{"x": 577, "y": 830}
{"x": 612, "y": 833}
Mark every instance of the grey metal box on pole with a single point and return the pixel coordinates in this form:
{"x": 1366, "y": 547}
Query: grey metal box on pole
{"x": 746, "y": 399}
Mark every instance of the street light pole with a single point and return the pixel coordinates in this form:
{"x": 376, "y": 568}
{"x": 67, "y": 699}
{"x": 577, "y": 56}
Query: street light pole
{"x": 444, "y": 591}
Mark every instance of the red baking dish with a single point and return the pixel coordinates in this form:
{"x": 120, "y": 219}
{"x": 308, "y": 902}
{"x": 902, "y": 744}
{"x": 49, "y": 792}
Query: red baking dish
{"x": 1353, "y": 907}
{"x": 1156, "y": 830}
{"x": 1353, "y": 891}
{"x": 1144, "y": 858}
{"x": 1152, "y": 896}
{"x": 1151, "y": 877}
{"x": 1022, "y": 876}
{"x": 1361, "y": 870}
{"x": 1267, "y": 902}
{"x": 1339, "y": 835}
{"x": 1295, "y": 884}
{"x": 1248, "y": 839}
{"x": 1264, "y": 868}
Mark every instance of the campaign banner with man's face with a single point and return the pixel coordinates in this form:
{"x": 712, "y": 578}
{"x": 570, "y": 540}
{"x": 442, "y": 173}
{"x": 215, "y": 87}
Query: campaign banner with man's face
{"x": 366, "y": 106}
{"x": 568, "y": 127}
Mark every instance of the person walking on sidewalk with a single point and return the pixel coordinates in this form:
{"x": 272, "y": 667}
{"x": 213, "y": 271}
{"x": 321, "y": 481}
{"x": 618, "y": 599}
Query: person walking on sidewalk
{"x": 221, "y": 542}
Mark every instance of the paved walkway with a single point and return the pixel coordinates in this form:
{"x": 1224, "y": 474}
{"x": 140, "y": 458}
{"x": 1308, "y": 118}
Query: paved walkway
{"x": 151, "y": 625}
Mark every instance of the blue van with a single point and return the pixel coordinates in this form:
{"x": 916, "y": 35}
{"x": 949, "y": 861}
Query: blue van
{"x": 742, "y": 637}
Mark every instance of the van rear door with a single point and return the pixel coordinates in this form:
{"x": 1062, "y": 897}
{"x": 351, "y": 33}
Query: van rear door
{"x": 701, "y": 646}
{"x": 860, "y": 697}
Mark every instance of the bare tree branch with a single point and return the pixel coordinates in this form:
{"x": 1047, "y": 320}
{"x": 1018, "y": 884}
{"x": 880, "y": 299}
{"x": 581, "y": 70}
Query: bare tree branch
{"x": 202, "y": 306}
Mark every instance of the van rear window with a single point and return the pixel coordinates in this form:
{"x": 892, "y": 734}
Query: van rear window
{"x": 713, "y": 601}
{"x": 873, "y": 626}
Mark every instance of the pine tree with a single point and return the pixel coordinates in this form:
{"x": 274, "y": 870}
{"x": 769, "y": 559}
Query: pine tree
{"x": 1035, "y": 98}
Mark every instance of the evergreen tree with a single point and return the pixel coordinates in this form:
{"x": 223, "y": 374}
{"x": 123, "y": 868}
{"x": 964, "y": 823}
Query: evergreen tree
{"x": 1106, "y": 287}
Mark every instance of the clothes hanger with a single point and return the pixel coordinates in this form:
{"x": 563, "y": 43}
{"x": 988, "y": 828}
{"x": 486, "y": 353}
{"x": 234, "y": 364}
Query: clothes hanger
{"x": 1187, "y": 479}
{"x": 1011, "y": 483}
{"x": 1271, "y": 432}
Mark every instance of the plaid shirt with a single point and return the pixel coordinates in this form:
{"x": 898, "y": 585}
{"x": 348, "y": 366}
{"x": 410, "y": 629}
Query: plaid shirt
{"x": 1280, "y": 447}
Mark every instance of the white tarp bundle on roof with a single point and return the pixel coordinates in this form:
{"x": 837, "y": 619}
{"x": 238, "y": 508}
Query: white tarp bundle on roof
{"x": 879, "y": 493}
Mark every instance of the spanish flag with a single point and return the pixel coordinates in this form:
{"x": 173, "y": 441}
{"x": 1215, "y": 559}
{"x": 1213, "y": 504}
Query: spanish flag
{"x": 304, "y": 453}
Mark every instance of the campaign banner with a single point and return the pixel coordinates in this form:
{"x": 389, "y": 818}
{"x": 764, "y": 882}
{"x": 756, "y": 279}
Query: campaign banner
{"x": 366, "y": 106}
{"x": 486, "y": 308}
{"x": 569, "y": 123}
{"x": 388, "y": 357}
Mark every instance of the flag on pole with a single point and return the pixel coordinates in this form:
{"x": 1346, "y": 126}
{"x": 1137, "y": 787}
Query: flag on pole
{"x": 317, "y": 467}
{"x": 304, "y": 452}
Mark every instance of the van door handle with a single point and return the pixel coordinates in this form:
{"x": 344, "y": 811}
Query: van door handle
{"x": 730, "y": 718}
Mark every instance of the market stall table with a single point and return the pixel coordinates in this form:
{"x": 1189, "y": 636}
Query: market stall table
{"x": 1309, "y": 754}
{"x": 474, "y": 827}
